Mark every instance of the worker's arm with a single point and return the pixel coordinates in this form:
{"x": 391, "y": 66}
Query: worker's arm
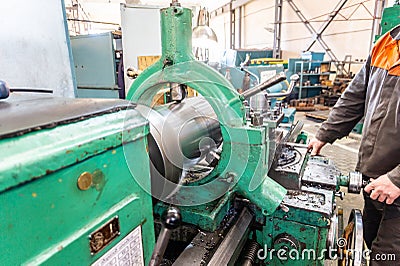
{"x": 348, "y": 110}
{"x": 386, "y": 187}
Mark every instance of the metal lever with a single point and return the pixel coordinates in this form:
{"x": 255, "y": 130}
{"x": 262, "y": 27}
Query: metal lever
{"x": 245, "y": 63}
{"x": 171, "y": 220}
{"x": 4, "y": 90}
{"x": 265, "y": 85}
{"x": 339, "y": 194}
{"x": 271, "y": 82}
{"x": 293, "y": 80}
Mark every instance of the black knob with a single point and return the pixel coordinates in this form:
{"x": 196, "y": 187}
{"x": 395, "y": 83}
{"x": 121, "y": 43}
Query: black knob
{"x": 4, "y": 90}
{"x": 172, "y": 218}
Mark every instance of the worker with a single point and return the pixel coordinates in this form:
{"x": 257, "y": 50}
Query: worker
{"x": 374, "y": 94}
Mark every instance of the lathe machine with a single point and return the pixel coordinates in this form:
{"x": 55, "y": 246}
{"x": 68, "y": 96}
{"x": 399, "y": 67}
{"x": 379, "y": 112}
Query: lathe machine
{"x": 207, "y": 180}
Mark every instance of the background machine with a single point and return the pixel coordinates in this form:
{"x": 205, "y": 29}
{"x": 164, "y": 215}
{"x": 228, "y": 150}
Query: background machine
{"x": 205, "y": 180}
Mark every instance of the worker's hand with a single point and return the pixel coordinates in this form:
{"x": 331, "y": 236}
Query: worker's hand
{"x": 382, "y": 189}
{"x": 315, "y": 146}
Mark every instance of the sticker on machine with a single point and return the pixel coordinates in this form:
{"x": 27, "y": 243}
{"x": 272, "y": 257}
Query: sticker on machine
{"x": 128, "y": 251}
{"x": 266, "y": 75}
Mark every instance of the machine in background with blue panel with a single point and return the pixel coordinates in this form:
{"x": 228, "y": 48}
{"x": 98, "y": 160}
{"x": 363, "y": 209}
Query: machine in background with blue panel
{"x": 97, "y": 59}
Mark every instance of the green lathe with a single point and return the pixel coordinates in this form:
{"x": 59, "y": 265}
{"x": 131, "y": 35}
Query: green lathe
{"x": 67, "y": 193}
{"x": 205, "y": 180}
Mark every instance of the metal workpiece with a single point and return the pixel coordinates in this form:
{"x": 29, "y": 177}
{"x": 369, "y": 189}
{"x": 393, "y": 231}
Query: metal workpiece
{"x": 182, "y": 134}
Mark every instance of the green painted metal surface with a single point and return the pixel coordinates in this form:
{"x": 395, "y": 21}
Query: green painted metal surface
{"x": 390, "y": 19}
{"x": 53, "y": 149}
{"x": 207, "y": 216}
{"x": 309, "y": 243}
{"x": 46, "y": 218}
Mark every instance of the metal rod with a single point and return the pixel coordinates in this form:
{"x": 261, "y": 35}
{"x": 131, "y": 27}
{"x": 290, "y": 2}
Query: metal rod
{"x": 161, "y": 246}
{"x": 171, "y": 220}
{"x": 232, "y": 27}
{"x": 296, "y": 145}
{"x": 331, "y": 17}
{"x": 228, "y": 252}
{"x": 293, "y": 80}
{"x": 92, "y": 21}
{"x": 27, "y": 89}
{"x": 277, "y": 29}
{"x": 376, "y": 27}
{"x": 265, "y": 85}
{"x": 252, "y": 74}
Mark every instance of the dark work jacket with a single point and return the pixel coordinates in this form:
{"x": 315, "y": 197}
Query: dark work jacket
{"x": 374, "y": 94}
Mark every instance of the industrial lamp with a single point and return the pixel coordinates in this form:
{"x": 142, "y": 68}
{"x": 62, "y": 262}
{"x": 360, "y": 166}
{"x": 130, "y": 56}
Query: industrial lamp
{"x": 203, "y": 37}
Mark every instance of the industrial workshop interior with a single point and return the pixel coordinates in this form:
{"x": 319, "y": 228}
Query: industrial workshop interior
{"x": 200, "y": 132}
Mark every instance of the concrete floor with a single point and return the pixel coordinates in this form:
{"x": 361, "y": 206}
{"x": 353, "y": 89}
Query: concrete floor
{"x": 344, "y": 154}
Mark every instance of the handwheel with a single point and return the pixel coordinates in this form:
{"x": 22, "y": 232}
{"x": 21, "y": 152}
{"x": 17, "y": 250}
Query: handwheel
{"x": 351, "y": 243}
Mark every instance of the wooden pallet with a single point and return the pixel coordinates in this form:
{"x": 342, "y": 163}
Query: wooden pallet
{"x": 315, "y": 107}
{"x": 318, "y": 115}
